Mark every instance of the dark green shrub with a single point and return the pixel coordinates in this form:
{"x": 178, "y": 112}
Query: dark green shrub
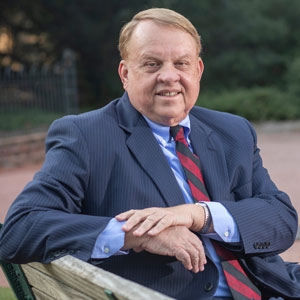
{"x": 26, "y": 119}
{"x": 256, "y": 104}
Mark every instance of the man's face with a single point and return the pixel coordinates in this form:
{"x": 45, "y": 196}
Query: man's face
{"x": 162, "y": 72}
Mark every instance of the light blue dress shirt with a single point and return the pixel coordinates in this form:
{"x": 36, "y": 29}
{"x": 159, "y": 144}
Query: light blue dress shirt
{"x": 111, "y": 240}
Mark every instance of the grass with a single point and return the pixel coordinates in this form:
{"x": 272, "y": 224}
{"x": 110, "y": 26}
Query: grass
{"x": 26, "y": 119}
{"x": 6, "y": 294}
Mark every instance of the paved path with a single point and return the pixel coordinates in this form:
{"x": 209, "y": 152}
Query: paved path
{"x": 280, "y": 151}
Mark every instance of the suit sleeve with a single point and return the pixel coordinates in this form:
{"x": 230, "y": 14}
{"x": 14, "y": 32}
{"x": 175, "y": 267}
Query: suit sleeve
{"x": 265, "y": 217}
{"x": 46, "y": 222}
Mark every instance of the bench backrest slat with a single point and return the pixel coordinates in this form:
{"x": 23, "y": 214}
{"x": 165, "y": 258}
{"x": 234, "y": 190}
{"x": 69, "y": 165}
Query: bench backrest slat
{"x": 50, "y": 286}
{"x": 69, "y": 275}
{"x": 41, "y": 295}
{"x": 70, "y": 278}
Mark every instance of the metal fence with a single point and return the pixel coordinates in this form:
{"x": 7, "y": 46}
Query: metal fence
{"x": 48, "y": 88}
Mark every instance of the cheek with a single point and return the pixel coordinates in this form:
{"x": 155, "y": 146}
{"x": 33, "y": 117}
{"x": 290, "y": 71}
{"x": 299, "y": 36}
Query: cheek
{"x": 193, "y": 85}
{"x": 139, "y": 83}
{"x": 192, "y": 93}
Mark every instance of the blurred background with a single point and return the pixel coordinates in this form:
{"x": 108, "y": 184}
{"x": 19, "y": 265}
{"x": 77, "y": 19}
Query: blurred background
{"x": 251, "y": 52}
{"x": 60, "y": 57}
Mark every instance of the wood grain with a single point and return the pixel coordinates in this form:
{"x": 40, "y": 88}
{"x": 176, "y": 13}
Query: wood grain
{"x": 70, "y": 275}
{"x": 41, "y": 295}
{"x": 51, "y": 287}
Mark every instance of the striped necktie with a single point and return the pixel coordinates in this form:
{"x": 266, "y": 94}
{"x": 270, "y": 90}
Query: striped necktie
{"x": 239, "y": 283}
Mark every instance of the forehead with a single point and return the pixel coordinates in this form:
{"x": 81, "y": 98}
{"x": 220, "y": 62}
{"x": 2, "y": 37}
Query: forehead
{"x": 151, "y": 37}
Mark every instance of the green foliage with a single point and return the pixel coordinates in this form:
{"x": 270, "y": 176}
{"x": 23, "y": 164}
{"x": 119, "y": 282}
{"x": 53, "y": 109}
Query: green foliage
{"x": 256, "y": 104}
{"x": 293, "y": 77}
{"x": 245, "y": 43}
{"x": 26, "y": 119}
{"x": 6, "y": 294}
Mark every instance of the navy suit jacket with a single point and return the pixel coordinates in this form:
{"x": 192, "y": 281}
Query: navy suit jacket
{"x": 107, "y": 161}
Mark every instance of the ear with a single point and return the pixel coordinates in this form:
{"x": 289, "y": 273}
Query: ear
{"x": 201, "y": 67}
{"x": 123, "y": 73}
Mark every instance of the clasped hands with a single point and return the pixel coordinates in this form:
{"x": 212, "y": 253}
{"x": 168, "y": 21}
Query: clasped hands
{"x": 167, "y": 231}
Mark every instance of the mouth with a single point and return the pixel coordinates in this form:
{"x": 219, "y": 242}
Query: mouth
{"x": 167, "y": 94}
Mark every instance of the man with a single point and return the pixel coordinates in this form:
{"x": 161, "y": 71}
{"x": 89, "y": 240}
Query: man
{"x": 114, "y": 191}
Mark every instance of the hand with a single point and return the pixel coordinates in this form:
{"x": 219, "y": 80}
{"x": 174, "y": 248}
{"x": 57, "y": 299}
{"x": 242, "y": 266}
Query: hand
{"x": 175, "y": 241}
{"x": 154, "y": 220}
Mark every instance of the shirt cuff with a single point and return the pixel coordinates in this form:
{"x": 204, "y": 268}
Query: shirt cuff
{"x": 110, "y": 241}
{"x": 225, "y": 227}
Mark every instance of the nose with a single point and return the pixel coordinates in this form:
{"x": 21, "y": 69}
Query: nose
{"x": 168, "y": 74}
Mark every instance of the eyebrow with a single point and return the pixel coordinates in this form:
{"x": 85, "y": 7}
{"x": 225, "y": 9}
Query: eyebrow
{"x": 150, "y": 56}
{"x": 157, "y": 57}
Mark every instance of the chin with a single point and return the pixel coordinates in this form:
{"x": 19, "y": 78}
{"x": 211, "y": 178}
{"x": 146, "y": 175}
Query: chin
{"x": 171, "y": 120}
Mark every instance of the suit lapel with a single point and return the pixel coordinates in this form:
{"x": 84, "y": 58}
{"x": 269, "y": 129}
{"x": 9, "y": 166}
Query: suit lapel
{"x": 146, "y": 150}
{"x": 213, "y": 164}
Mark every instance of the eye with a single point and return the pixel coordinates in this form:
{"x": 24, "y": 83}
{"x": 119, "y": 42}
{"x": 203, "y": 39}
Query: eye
{"x": 152, "y": 64}
{"x": 182, "y": 63}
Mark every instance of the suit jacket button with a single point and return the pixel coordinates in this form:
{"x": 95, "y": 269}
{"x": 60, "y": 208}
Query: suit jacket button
{"x": 208, "y": 286}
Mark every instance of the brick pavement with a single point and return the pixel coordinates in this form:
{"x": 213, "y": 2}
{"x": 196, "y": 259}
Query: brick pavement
{"x": 280, "y": 146}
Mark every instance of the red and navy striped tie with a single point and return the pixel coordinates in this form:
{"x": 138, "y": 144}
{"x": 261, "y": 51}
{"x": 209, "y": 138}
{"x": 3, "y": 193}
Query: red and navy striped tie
{"x": 239, "y": 283}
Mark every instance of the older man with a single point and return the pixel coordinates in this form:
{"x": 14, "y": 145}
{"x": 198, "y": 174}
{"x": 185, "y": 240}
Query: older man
{"x": 172, "y": 196}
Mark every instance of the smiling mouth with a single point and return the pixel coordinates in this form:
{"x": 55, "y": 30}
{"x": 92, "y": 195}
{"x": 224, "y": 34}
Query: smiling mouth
{"x": 168, "y": 94}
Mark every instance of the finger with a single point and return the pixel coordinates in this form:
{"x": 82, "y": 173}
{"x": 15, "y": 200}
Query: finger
{"x": 150, "y": 222}
{"x": 163, "y": 224}
{"x": 132, "y": 221}
{"x": 137, "y": 250}
{"x": 195, "y": 256}
{"x": 195, "y": 261}
{"x": 125, "y": 215}
{"x": 184, "y": 258}
{"x": 137, "y": 217}
{"x": 193, "y": 246}
{"x": 201, "y": 261}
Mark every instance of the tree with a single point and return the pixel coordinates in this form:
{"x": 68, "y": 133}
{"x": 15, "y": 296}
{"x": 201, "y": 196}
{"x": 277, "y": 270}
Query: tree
{"x": 246, "y": 43}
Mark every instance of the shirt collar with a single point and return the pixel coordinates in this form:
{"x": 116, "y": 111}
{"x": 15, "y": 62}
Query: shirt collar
{"x": 162, "y": 132}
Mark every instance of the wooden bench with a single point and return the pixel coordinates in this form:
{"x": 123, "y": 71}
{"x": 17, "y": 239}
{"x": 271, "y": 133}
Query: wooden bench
{"x": 71, "y": 278}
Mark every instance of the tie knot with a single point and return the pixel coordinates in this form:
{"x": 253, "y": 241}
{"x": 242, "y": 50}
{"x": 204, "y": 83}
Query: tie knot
{"x": 174, "y": 130}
